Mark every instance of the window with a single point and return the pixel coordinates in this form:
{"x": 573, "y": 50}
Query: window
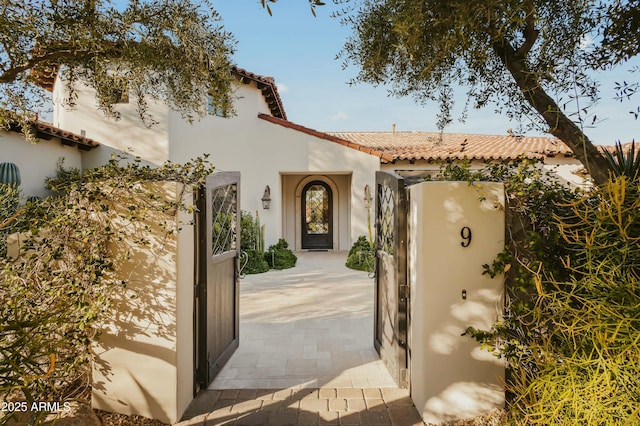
{"x": 214, "y": 109}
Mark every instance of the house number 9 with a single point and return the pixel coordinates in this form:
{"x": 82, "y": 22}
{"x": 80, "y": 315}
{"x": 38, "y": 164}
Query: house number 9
{"x": 465, "y": 233}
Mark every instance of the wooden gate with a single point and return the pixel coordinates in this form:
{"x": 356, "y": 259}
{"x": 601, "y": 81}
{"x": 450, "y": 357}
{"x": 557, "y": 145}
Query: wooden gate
{"x": 217, "y": 287}
{"x": 391, "y": 286}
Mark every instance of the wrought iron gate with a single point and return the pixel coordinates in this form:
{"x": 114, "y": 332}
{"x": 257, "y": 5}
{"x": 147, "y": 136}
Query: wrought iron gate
{"x": 391, "y": 286}
{"x": 217, "y": 286}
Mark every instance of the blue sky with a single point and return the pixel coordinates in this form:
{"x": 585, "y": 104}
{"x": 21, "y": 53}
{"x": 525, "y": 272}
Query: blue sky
{"x": 299, "y": 51}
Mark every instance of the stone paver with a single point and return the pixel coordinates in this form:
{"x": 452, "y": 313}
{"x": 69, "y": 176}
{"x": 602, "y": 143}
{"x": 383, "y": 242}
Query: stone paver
{"x": 302, "y": 406}
{"x": 306, "y": 355}
{"x": 309, "y": 326}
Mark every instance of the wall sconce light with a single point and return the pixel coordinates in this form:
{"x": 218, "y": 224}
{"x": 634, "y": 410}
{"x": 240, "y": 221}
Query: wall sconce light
{"x": 266, "y": 198}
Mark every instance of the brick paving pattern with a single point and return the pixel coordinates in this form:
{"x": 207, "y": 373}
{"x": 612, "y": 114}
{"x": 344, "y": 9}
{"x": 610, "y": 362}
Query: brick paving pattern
{"x": 306, "y": 354}
{"x": 308, "y": 407}
{"x": 306, "y": 327}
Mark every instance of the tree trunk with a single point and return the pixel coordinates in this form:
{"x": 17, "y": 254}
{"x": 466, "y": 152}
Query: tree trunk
{"x": 559, "y": 124}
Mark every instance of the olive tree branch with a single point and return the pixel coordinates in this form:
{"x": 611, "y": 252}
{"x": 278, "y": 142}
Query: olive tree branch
{"x": 530, "y": 31}
{"x": 12, "y": 73}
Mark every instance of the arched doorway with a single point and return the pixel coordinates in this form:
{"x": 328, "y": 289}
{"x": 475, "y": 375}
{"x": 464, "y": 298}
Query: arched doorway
{"x": 317, "y": 216}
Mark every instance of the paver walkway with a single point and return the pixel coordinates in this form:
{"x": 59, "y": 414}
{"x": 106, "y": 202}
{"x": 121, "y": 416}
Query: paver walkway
{"x": 308, "y": 407}
{"x": 309, "y": 326}
{"x": 306, "y": 354}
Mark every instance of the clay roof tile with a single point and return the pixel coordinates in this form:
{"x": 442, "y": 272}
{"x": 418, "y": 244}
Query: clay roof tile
{"x": 269, "y": 90}
{"x": 432, "y": 146}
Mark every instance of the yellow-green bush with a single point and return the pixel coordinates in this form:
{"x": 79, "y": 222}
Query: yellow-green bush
{"x": 571, "y": 328}
{"x": 587, "y": 357}
{"x": 571, "y": 334}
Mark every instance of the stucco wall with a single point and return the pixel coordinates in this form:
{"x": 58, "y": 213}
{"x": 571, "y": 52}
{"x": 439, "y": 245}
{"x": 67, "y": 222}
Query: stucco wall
{"x": 263, "y": 152}
{"x": 128, "y": 134}
{"x": 100, "y": 156}
{"x": 563, "y": 167}
{"x": 36, "y": 161}
{"x": 143, "y": 360}
{"x": 260, "y": 150}
{"x": 451, "y": 377}
{"x": 419, "y": 168}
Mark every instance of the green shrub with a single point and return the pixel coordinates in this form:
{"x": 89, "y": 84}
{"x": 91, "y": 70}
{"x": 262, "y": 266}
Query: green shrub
{"x": 279, "y": 256}
{"x": 624, "y": 162}
{"x": 572, "y": 312}
{"x": 255, "y": 263}
{"x": 55, "y": 296}
{"x": 51, "y": 299}
{"x": 251, "y": 244}
{"x": 9, "y": 201}
{"x": 585, "y": 364}
{"x": 361, "y": 255}
{"x": 251, "y": 232}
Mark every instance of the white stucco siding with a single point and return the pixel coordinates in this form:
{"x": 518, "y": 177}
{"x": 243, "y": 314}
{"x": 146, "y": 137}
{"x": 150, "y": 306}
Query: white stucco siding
{"x": 36, "y": 161}
{"x": 421, "y": 168}
{"x": 260, "y": 150}
{"x": 143, "y": 359}
{"x": 263, "y": 151}
{"x": 562, "y": 167}
{"x": 565, "y": 168}
{"x": 127, "y": 134}
{"x": 451, "y": 234}
{"x": 248, "y": 99}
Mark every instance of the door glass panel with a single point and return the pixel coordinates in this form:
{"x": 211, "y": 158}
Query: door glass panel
{"x": 223, "y": 219}
{"x": 317, "y": 210}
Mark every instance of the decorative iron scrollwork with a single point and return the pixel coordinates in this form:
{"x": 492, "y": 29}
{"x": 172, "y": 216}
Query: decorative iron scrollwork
{"x": 385, "y": 228}
{"x": 224, "y": 219}
{"x": 243, "y": 259}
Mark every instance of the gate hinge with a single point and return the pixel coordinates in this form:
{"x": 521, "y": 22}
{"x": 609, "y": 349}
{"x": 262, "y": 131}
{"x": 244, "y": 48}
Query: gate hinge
{"x": 405, "y": 292}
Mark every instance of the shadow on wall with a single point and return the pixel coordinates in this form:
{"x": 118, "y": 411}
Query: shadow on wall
{"x": 465, "y": 400}
{"x": 477, "y": 312}
{"x": 142, "y": 330}
{"x": 128, "y": 134}
{"x": 459, "y": 228}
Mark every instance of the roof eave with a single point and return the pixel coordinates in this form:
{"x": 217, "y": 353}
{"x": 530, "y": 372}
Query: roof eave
{"x": 268, "y": 88}
{"x": 288, "y": 124}
{"x": 46, "y": 131}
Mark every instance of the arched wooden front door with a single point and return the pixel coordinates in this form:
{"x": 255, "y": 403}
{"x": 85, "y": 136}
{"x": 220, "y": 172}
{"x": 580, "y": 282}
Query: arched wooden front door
{"x": 317, "y": 216}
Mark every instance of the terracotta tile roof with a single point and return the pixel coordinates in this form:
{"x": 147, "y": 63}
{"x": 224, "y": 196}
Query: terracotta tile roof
{"x": 433, "y": 146}
{"x": 385, "y": 158}
{"x": 47, "y": 131}
{"x": 268, "y": 87}
{"x": 625, "y": 146}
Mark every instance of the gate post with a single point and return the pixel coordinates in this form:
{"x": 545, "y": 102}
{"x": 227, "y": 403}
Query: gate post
{"x": 455, "y": 228}
{"x": 143, "y": 360}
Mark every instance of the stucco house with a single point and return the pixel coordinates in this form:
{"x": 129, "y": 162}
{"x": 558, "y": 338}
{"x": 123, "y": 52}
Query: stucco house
{"x": 316, "y": 184}
{"x": 311, "y": 175}
{"x": 38, "y": 161}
